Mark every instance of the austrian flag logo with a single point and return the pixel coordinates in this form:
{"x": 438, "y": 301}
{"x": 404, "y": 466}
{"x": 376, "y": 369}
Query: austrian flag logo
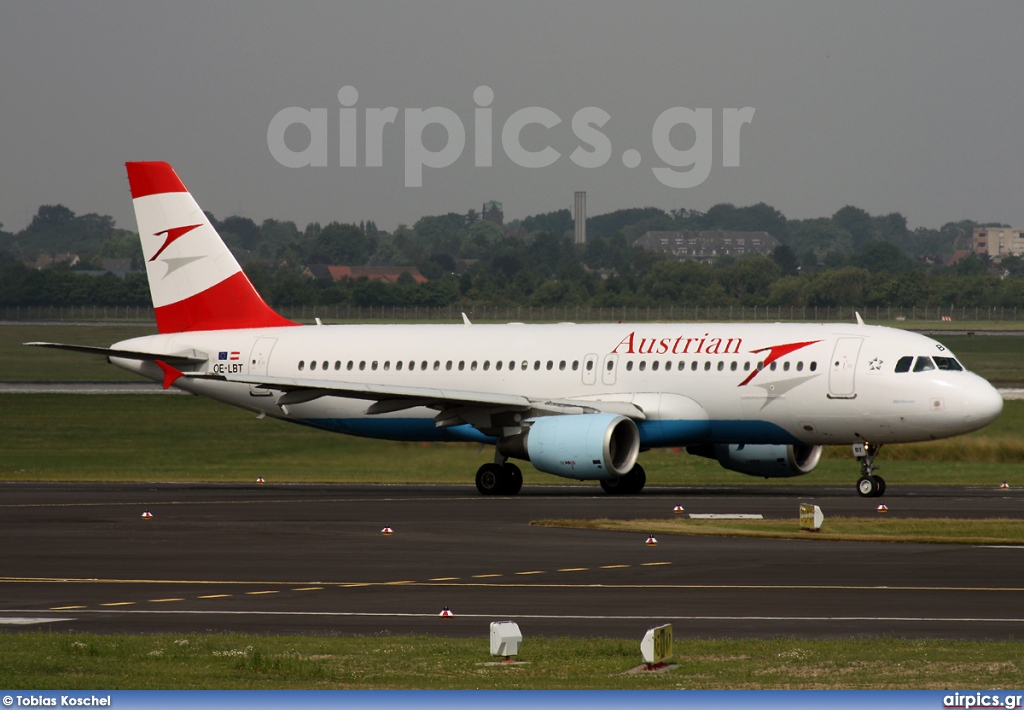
{"x": 172, "y": 235}
{"x": 226, "y": 355}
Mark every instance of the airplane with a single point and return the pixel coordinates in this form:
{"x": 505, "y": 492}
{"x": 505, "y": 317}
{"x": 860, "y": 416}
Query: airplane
{"x": 580, "y": 401}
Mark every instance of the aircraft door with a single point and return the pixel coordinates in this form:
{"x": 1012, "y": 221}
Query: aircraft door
{"x": 590, "y": 369}
{"x": 843, "y": 368}
{"x": 608, "y": 371}
{"x": 259, "y": 360}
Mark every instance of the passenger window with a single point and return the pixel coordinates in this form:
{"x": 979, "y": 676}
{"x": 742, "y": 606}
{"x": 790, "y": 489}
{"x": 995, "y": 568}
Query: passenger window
{"x": 511, "y": 364}
{"x": 362, "y": 364}
{"x": 337, "y": 364}
{"x": 707, "y": 365}
{"x": 590, "y": 365}
{"x": 721, "y": 365}
{"x": 412, "y": 365}
{"x": 682, "y": 365}
{"x": 373, "y": 366}
{"x": 387, "y": 365}
{"x": 437, "y": 365}
{"x": 472, "y": 366}
{"x": 462, "y": 365}
{"x": 643, "y": 365}
{"x": 923, "y": 364}
{"x": 693, "y": 365}
{"x": 487, "y": 365}
{"x": 536, "y": 365}
{"x": 498, "y": 364}
{"x": 800, "y": 366}
{"x": 746, "y": 366}
{"x": 325, "y": 365}
{"x": 947, "y": 363}
{"x": 814, "y": 366}
{"x": 611, "y": 364}
{"x": 785, "y": 366}
{"x": 903, "y": 364}
{"x": 423, "y": 365}
{"x": 448, "y": 365}
{"x": 312, "y": 365}
{"x": 733, "y": 366}
{"x": 774, "y": 365}
{"x": 575, "y": 365}
{"x": 550, "y": 364}
{"x": 398, "y": 365}
{"x": 561, "y": 365}
{"x": 526, "y": 366}
{"x": 760, "y": 365}
{"x": 629, "y": 366}
{"x": 654, "y": 365}
{"x": 350, "y": 365}
{"x": 302, "y": 365}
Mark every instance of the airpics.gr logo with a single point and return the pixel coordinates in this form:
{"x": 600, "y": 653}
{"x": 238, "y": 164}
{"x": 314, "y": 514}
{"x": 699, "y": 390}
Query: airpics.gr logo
{"x": 682, "y": 168}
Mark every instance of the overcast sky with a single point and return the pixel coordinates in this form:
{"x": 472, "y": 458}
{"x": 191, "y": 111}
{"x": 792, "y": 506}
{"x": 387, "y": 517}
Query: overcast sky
{"x": 913, "y": 107}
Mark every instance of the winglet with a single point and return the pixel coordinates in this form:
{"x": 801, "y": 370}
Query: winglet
{"x": 465, "y": 319}
{"x": 171, "y": 374}
{"x": 860, "y": 321}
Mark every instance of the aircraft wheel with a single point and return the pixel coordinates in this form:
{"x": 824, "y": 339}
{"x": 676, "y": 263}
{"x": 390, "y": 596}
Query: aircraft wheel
{"x": 513, "y": 479}
{"x": 632, "y": 482}
{"x": 489, "y": 479}
{"x": 881, "y": 485}
{"x": 868, "y": 487}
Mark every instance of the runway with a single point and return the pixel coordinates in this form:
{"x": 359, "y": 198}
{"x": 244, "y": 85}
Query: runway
{"x": 311, "y": 559}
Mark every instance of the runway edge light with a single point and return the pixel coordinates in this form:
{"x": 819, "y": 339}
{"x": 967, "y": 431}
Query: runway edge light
{"x": 656, "y": 646}
{"x": 883, "y": 508}
{"x": 678, "y": 509}
{"x": 387, "y": 530}
{"x": 446, "y": 613}
{"x": 505, "y": 638}
{"x": 651, "y": 542}
{"x": 146, "y": 515}
{"x": 811, "y": 517}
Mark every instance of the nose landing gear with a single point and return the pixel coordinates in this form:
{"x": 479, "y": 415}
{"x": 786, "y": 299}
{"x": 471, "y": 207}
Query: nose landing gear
{"x": 869, "y": 485}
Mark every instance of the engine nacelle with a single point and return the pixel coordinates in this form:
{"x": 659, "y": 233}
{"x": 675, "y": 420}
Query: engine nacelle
{"x": 580, "y": 446}
{"x": 767, "y": 460}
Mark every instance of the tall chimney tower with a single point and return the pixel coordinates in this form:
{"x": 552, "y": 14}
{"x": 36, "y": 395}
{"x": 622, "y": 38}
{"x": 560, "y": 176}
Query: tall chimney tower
{"x": 580, "y": 214}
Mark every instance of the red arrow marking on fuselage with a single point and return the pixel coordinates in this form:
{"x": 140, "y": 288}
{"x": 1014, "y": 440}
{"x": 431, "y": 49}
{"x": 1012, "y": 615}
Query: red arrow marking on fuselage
{"x": 777, "y": 351}
{"x": 172, "y": 234}
{"x": 171, "y": 373}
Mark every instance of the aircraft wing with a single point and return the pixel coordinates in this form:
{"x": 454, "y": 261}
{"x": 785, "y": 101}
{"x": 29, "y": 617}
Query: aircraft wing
{"x": 185, "y": 357}
{"x": 456, "y": 406}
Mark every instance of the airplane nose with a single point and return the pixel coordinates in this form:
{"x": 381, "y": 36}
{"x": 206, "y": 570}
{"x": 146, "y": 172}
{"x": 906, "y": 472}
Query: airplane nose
{"x": 982, "y": 403}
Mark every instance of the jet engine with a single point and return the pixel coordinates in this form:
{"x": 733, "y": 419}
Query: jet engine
{"x": 767, "y": 460}
{"x": 580, "y": 446}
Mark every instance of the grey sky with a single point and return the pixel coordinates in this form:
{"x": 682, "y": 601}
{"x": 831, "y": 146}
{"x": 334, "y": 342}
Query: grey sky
{"x": 912, "y": 107}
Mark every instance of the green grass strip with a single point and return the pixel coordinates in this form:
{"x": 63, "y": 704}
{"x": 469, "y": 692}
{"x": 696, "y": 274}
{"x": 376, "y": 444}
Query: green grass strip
{"x": 58, "y": 661}
{"x": 993, "y": 531}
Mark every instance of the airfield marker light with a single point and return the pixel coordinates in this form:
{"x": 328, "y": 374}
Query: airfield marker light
{"x": 146, "y": 515}
{"x": 651, "y": 542}
{"x": 505, "y": 638}
{"x": 678, "y": 509}
{"x": 446, "y": 613}
{"x": 1004, "y": 486}
{"x": 387, "y": 530}
{"x": 883, "y": 508}
{"x": 260, "y": 480}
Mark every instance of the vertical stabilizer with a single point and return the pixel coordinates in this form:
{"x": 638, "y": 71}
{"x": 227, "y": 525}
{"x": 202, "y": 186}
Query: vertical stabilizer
{"x": 195, "y": 281}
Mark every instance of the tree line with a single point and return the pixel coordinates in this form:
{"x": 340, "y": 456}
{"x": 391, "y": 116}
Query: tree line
{"x": 850, "y": 258}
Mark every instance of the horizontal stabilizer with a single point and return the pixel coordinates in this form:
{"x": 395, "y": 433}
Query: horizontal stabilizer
{"x": 190, "y": 356}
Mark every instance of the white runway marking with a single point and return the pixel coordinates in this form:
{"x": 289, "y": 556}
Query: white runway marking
{"x": 726, "y": 516}
{"x": 582, "y": 617}
{"x": 28, "y": 621}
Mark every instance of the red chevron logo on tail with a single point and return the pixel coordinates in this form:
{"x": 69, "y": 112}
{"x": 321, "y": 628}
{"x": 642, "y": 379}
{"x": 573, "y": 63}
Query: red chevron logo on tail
{"x": 173, "y": 234}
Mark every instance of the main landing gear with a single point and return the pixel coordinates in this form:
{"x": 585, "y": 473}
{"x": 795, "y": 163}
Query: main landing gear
{"x": 869, "y": 485}
{"x": 632, "y": 482}
{"x": 499, "y": 479}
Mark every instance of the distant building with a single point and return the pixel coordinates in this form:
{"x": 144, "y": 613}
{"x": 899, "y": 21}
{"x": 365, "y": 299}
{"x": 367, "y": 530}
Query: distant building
{"x": 997, "y": 242}
{"x": 385, "y": 274}
{"x": 118, "y": 267}
{"x": 45, "y": 261}
{"x": 493, "y": 212}
{"x": 708, "y": 245}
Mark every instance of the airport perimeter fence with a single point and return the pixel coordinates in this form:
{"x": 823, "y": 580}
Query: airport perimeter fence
{"x": 541, "y": 314}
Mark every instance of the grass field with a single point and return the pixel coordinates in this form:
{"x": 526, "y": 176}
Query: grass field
{"x": 81, "y": 661}
{"x": 184, "y": 438}
{"x": 996, "y": 358}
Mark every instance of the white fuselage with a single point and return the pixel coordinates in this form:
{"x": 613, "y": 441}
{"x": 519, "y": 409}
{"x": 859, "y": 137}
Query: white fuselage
{"x": 694, "y": 382}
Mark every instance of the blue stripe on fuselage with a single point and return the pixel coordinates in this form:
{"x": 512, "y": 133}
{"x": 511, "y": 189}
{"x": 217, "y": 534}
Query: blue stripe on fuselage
{"x": 653, "y": 434}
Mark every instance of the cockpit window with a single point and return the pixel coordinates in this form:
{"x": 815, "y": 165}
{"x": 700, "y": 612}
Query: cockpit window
{"x": 948, "y": 363}
{"x": 924, "y": 364}
{"x": 903, "y": 364}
